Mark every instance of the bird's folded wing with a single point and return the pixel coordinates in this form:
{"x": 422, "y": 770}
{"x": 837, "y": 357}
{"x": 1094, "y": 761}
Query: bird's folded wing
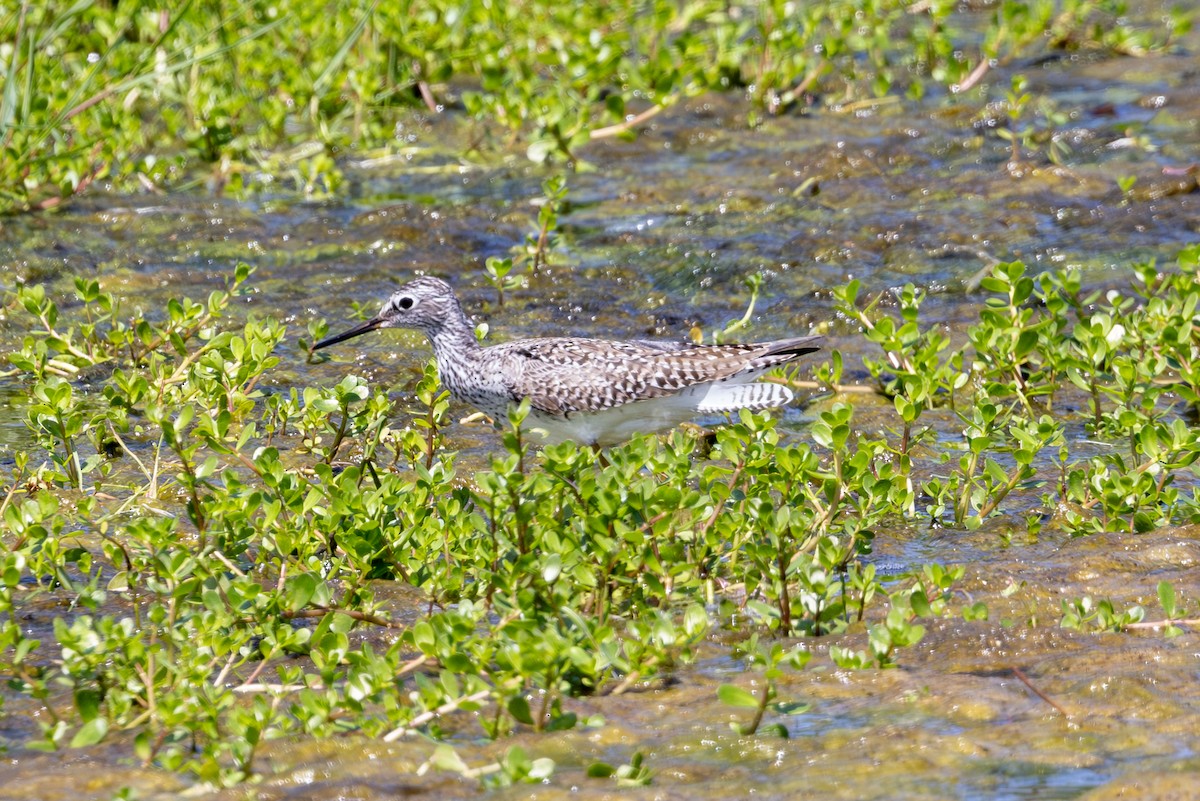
{"x": 562, "y": 376}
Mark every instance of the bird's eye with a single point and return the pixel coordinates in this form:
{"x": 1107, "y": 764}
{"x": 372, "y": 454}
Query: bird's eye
{"x": 406, "y": 303}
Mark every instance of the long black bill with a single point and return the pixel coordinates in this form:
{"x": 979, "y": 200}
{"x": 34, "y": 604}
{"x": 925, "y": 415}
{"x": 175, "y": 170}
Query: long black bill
{"x": 369, "y": 325}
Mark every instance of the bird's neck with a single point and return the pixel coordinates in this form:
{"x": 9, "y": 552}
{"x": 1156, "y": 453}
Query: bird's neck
{"x": 455, "y": 339}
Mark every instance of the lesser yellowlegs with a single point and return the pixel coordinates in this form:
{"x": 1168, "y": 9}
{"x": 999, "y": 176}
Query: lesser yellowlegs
{"x": 592, "y": 391}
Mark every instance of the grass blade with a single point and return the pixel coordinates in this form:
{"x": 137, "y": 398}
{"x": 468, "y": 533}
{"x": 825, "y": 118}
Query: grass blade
{"x": 335, "y": 63}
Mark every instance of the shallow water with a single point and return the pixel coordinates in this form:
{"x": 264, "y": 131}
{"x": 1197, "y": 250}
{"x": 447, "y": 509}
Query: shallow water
{"x": 659, "y": 238}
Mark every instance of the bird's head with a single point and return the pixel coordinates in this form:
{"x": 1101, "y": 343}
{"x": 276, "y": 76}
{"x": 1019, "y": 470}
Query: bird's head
{"x": 424, "y": 305}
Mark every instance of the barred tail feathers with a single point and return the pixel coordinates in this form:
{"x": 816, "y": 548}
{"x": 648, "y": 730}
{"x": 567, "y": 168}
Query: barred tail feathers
{"x": 723, "y": 397}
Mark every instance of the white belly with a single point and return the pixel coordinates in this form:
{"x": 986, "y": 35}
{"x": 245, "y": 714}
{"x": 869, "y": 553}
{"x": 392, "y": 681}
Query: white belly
{"x": 611, "y": 426}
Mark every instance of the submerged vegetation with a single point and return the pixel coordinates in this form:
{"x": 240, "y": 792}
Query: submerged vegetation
{"x": 274, "y": 95}
{"x": 205, "y": 532}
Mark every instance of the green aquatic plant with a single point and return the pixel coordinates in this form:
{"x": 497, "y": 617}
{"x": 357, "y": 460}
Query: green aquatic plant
{"x": 515, "y": 767}
{"x": 1015, "y": 340}
{"x": 634, "y": 774}
{"x": 1033, "y": 128}
{"x": 277, "y": 93}
{"x": 771, "y": 657}
{"x": 1130, "y": 354}
{"x": 1001, "y": 454}
{"x": 1086, "y": 614}
{"x": 500, "y": 274}
{"x": 1126, "y": 183}
{"x": 547, "y": 576}
{"x": 1175, "y": 614}
{"x": 542, "y": 240}
{"x": 215, "y": 557}
{"x": 513, "y": 272}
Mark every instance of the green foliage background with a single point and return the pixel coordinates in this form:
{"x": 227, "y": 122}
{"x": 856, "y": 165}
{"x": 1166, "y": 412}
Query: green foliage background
{"x": 139, "y": 94}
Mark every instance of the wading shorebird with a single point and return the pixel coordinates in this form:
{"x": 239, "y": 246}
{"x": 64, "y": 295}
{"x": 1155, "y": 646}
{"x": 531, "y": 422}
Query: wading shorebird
{"x": 592, "y": 391}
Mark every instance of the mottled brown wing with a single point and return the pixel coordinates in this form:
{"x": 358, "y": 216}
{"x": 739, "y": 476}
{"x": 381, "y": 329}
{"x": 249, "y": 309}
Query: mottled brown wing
{"x": 587, "y": 375}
